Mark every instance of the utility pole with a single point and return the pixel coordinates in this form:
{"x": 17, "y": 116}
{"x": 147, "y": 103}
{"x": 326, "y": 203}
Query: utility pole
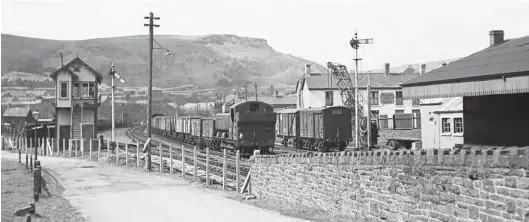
{"x": 246, "y": 90}
{"x": 355, "y": 44}
{"x": 255, "y": 84}
{"x": 151, "y": 26}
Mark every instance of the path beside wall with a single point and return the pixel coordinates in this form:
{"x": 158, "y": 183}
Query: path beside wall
{"x": 428, "y": 185}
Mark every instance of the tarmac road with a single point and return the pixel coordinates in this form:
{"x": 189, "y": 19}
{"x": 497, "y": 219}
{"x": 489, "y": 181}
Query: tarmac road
{"x": 106, "y": 193}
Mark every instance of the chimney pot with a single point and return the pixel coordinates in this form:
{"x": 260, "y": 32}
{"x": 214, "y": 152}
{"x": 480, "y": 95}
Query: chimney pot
{"x": 307, "y": 69}
{"x": 386, "y": 71}
{"x": 423, "y": 69}
{"x": 496, "y": 37}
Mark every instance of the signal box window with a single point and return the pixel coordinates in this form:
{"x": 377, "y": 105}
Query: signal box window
{"x": 64, "y": 90}
{"x": 76, "y": 89}
{"x": 329, "y": 98}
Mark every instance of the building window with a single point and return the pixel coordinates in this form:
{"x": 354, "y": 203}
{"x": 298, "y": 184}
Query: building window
{"x": 445, "y": 124}
{"x": 64, "y": 90}
{"x": 76, "y": 89}
{"x": 399, "y": 111}
{"x": 398, "y": 100}
{"x": 458, "y": 125}
{"x": 329, "y": 98}
{"x": 373, "y": 100}
{"x": 88, "y": 90}
{"x": 416, "y": 118}
{"x": 415, "y": 102}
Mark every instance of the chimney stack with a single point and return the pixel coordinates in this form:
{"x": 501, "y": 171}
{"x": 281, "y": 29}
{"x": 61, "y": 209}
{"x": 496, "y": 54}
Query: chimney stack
{"x": 307, "y": 69}
{"x": 496, "y": 37}
{"x": 423, "y": 69}
{"x": 277, "y": 93}
{"x": 386, "y": 71}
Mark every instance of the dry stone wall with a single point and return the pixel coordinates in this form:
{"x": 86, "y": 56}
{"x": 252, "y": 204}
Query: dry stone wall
{"x": 433, "y": 185}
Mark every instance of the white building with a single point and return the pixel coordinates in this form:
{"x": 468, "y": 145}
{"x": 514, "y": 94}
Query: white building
{"x": 442, "y": 122}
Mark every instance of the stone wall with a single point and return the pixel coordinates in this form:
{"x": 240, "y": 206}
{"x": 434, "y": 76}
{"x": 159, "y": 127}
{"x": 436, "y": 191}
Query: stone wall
{"x": 432, "y": 185}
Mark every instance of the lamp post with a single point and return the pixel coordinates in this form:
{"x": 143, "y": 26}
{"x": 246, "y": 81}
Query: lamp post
{"x": 36, "y": 117}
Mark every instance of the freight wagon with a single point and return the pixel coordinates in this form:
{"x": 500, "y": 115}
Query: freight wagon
{"x": 247, "y": 126}
{"x": 322, "y": 129}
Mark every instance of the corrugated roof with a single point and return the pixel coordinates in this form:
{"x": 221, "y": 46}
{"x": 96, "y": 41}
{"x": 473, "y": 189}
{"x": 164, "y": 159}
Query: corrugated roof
{"x": 510, "y": 57}
{"x": 378, "y": 80}
{"x": 17, "y": 112}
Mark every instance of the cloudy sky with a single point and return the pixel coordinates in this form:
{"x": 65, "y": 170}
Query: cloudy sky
{"x": 404, "y": 31}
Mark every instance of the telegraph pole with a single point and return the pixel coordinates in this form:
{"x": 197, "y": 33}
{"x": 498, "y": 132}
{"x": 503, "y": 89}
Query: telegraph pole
{"x": 151, "y": 26}
{"x": 255, "y": 84}
{"x": 355, "y": 44}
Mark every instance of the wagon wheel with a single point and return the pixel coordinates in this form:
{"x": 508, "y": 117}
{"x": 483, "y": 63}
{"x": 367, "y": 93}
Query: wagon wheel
{"x": 393, "y": 144}
{"x": 321, "y": 146}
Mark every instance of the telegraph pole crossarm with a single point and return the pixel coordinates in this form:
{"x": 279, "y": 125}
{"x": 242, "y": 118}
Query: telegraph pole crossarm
{"x": 355, "y": 44}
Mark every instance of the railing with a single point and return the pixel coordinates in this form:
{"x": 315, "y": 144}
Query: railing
{"x": 189, "y": 163}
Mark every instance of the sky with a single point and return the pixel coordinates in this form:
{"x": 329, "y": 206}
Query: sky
{"x": 404, "y": 31}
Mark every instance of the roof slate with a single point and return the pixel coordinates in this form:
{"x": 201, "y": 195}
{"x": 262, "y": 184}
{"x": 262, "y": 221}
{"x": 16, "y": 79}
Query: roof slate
{"x": 17, "y": 112}
{"x": 378, "y": 80}
{"x": 510, "y": 57}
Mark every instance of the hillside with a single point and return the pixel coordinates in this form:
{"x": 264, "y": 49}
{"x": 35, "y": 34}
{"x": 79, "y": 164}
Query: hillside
{"x": 205, "y": 61}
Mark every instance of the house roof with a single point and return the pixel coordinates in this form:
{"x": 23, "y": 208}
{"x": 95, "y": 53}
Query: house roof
{"x": 451, "y": 105}
{"x": 378, "y": 80}
{"x": 76, "y": 60}
{"x": 17, "y": 112}
{"x": 508, "y": 58}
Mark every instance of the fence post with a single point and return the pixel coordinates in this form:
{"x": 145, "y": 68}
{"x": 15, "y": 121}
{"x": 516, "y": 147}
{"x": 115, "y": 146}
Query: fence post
{"x": 108, "y": 150}
{"x": 170, "y": 159}
{"x": 237, "y": 170}
{"x": 90, "y": 151}
{"x": 19, "y": 155}
{"x": 194, "y": 162}
{"x": 69, "y": 148}
{"x": 82, "y": 147}
{"x": 183, "y": 162}
{"x": 63, "y": 146}
{"x": 98, "y": 149}
{"x": 126, "y": 153}
{"x": 224, "y": 168}
{"x": 161, "y": 157}
{"x": 117, "y": 153}
{"x": 30, "y": 145}
{"x": 207, "y": 165}
{"x": 36, "y": 182}
{"x": 137, "y": 154}
{"x": 27, "y": 160}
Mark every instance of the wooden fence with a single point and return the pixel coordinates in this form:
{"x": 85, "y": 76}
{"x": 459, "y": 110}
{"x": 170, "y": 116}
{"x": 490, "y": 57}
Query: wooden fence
{"x": 188, "y": 163}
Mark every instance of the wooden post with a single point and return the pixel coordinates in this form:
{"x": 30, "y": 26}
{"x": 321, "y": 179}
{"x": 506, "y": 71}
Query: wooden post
{"x": 194, "y": 163}
{"x": 137, "y": 154}
{"x": 82, "y": 147}
{"x": 98, "y": 148}
{"x": 170, "y": 159}
{"x": 63, "y": 146}
{"x": 224, "y": 168}
{"x": 161, "y": 158}
{"x": 207, "y": 165}
{"x": 30, "y": 146}
{"x": 126, "y": 153}
{"x": 183, "y": 162}
{"x": 69, "y": 148}
{"x": 117, "y": 153}
{"x": 90, "y": 151}
{"x": 108, "y": 149}
{"x": 237, "y": 170}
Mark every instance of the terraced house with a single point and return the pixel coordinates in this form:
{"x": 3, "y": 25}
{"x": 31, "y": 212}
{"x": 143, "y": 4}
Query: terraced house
{"x": 76, "y": 100}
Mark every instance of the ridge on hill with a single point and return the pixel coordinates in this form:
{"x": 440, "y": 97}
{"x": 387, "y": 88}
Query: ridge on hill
{"x": 206, "y": 61}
